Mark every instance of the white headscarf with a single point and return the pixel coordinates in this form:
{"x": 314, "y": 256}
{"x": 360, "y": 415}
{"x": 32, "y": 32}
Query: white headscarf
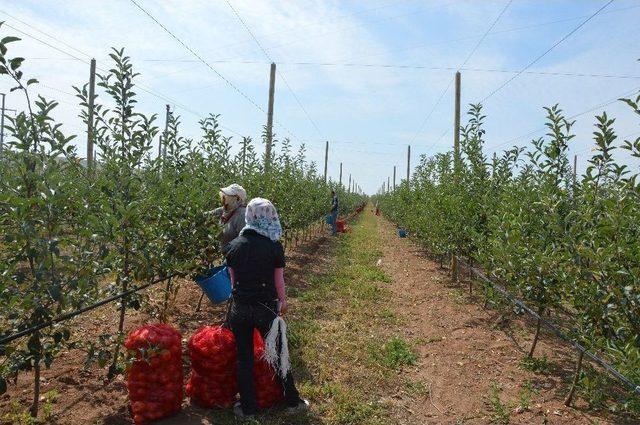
{"x": 262, "y": 217}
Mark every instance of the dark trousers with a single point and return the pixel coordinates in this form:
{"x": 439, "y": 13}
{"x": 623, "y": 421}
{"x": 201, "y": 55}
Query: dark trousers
{"x": 243, "y": 318}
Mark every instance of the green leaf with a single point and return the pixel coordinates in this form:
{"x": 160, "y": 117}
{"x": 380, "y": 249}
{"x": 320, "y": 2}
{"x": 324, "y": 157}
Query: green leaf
{"x": 9, "y": 39}
{"x": 15, "y": 63}
{"x": 32, "y": 81}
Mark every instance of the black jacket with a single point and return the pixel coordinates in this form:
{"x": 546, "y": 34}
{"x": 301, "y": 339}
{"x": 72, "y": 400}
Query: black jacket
{"x": 254, "y": 258}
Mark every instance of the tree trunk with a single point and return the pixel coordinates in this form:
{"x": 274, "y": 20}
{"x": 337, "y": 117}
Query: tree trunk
{"x": 470, "y": 276}
{"x": 576, "y": 377}
{"x": 123, "y": 307}
{"x": 535, "y": 337}
{"x": 454, "y": 267}
{"x": 36, "y": 380}
{"x": 165, "y": 304}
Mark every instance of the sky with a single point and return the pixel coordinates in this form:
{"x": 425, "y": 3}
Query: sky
{"x": 371, "y": 77}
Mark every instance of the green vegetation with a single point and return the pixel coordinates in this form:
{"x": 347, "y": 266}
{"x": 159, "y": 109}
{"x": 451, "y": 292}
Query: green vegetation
{"x": 564, "y": 243}
{"x": 397, "y": 353}
{"x": 73, "y": 235}
{"x": 499, "y": 410}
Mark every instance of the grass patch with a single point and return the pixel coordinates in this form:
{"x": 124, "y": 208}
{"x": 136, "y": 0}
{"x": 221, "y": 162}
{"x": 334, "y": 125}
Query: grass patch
{"x": 499, "y": 410}
{"x": 538, "y": 365}
{"x": 395, "y": 354}
{"x": 526, "y": 393}
{"x": 430, "y": 340}
{"x": 416, "y": 388}
{"x": 335, "y": 315}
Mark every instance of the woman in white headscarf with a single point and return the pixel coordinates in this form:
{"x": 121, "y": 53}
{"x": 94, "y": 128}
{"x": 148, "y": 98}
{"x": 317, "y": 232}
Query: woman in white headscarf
{"x": 256, "y": 264}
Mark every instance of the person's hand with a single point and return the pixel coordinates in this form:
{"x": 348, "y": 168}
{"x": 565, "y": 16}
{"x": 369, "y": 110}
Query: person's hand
{"x": 283, "y": 308}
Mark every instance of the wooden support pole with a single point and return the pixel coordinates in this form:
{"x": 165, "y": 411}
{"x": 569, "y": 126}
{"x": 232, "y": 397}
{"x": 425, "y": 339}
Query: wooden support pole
{"x": 165, "y": 136}
{"x": 326, "y": 159}
{"x": 456, "y": 163}
{"x": 456, "y": 120}
{"x": 92, "y": 91}
{"x": 340, "y": 181}
{"x": 349, "y": 183}
{"x": 394, "y": 177}
{"x": 408, "y": 164}
{"x": 272, "y": 87}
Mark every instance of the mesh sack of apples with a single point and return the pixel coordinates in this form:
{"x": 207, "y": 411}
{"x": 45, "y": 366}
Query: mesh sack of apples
{"x": 267, "y": 385}
{"x": 213, "y": 380}
{"x": 212, "y": 383}
{"x": 154, "y": 377}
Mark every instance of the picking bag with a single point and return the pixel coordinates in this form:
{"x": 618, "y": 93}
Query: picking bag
{"x": 154, "y": 379}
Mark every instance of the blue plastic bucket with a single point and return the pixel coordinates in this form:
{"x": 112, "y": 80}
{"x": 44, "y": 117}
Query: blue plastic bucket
{"x": 402, "y": 233}
{"x": 329, "y": 219}
{"x": 216, "y": 284}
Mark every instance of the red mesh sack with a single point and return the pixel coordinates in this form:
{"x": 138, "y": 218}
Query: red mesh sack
{"x": 213, "y": 367}
{"x": 154, "y": 379}
{"x": 266, "y": 384}
{"x": 213, "y": 381}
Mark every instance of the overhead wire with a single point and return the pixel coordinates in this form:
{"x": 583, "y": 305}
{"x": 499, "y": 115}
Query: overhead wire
{"x": 471, "y": 53}
{"x": 546, "y": 52}
{"x": 215, "y": 71}
{"x": 74, "y": 57}
{"x": 246, "y": 27}
{"x": 591, "y": 109}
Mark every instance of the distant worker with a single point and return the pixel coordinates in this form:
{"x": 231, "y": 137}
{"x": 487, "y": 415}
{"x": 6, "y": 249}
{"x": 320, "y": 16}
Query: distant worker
{"x": 334, "y": 212}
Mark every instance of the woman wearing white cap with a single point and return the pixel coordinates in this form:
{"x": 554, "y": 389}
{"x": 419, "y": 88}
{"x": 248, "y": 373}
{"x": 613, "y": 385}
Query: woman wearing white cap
{"x": 231, "y": 213}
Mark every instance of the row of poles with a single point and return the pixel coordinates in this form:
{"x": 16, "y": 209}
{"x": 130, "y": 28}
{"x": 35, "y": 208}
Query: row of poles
{"x": 352, "y": 186}
{"x": 387, "y": 185}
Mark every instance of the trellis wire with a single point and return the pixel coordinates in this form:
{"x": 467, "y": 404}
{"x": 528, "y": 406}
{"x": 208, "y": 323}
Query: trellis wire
{"x": 501, "y": 289}
{"x": 71, "y": 315}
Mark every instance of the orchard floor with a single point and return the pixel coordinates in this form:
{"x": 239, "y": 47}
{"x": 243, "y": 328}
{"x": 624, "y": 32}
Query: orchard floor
{"x": 379, "y": 334}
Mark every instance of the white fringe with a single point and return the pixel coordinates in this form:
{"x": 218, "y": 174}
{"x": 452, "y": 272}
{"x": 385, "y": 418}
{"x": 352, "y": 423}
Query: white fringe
{"x": 280, "y": 363}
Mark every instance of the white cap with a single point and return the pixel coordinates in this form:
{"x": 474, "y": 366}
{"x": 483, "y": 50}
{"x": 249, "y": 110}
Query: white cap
{"x": 235, "y": 190}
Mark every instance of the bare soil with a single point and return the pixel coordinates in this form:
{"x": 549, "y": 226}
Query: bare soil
{"x": 469, "y": 357}
{"x": 85, "y": 396}
{"x": 465, "y": 350}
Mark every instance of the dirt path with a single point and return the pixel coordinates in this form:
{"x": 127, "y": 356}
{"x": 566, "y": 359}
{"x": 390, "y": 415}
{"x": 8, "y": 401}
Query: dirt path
{"x": 470, "y": 358}
{"x": 379, "y": 335}
{"x": 74, "y": 395}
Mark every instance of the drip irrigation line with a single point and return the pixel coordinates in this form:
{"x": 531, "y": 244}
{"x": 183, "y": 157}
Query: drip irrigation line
{"x": 67, "y": 316}
{"x": 246, "y": 27}
{"x": 556, "y": 44}
{"x": 610, "y": 369}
